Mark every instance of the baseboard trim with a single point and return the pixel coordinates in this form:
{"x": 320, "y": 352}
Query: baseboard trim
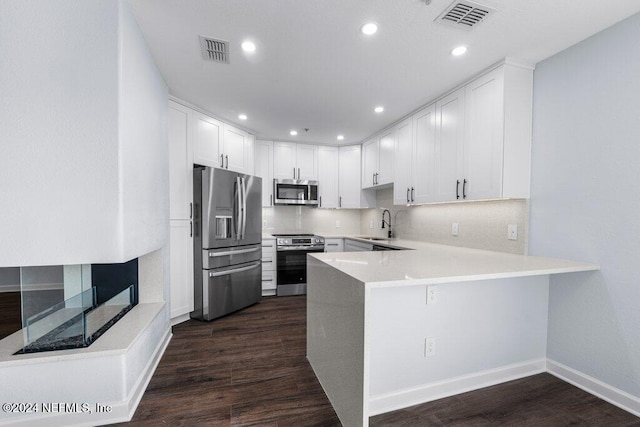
{"x": 383, "y": 403}
{"x": 179, "y": 319}
{"x": 604, "y": 391}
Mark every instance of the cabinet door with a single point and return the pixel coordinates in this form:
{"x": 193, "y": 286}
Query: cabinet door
{"x": 369, "y": 163}
{"x": 484, "y": 139}
{"x": 284, "y": 160}
{"x": 334, "y": 245}
{"x": 207, "y": 140}
{"x": 351, "y": 193}
{"x": 386, "y": 148}
{"x": 181, "y": 267}
{"x": 403, "y": 180}
{"x": 449, "y": 146}
{"x": 237, "y": 149}
{"x": 180, "y": 163}
{"x": 424, "y": 155}
{"x": 264, "y": 169}
{"x": 328, "y": 176}
{"x": 307, "y": 162}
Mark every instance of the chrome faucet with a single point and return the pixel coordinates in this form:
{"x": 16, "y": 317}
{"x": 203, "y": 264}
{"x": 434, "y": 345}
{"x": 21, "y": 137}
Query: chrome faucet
{"x": 385, "y": 222}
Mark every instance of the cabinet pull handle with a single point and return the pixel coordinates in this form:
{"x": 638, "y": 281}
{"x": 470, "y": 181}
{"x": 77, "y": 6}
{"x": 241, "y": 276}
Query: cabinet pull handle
{"x": 340, "y": 202}
{"x": 294, "y": 173}
{"x": 222, "y": 161}
{"x": 298, "y": 173}
{"x": 191, "y": 228}
{"x": 408, "y": 195}
{"x": 191, "y": 210}
{"x": 412, "y": 194}
{"x": 320, "y": 205}
{"x": 271, "y": 199}
{"x": 464, "y": 189}
{"x": 457, "y": 186}
{"x": 373, "y": 179}
{"x": 227, "y": 157}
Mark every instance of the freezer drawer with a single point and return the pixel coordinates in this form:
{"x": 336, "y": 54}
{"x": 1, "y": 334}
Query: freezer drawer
{"x": 225, "y": 290}
{"x": 225, "y": 257}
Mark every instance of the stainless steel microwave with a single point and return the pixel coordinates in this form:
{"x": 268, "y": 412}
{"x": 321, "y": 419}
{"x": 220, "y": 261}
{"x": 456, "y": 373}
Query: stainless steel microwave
{"x": 295, "y": 192}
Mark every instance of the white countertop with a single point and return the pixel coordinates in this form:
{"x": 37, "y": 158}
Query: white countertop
{"x": 430, "y": 263}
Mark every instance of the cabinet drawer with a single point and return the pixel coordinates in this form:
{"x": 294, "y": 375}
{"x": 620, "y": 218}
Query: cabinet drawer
{"x": 268, "y": 284}
{"x": 268, "y": 275}
{"x": 268, "y": 256}
{"x": 269, "y": 244}
{"x": 268, "y": 263}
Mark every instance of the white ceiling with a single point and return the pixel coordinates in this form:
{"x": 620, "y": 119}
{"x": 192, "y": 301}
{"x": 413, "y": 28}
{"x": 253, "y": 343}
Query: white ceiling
{"x": 314, "y": 69}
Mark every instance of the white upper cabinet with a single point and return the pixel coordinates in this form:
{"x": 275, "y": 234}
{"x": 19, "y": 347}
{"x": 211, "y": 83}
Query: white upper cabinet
{"x": 448, "y": 179}
{"x": 351, "y": 194}
{"x": 328, "y": 159}
{"x": 264, "y": 169}
{"x": 221, "y": 145}
{"x": 404, "y": 168}
{"x": 237, "y": 149}
{"x": 377, "y": 160}
{"x": 180, "y": 162}
{"x": 207, "y": 133}
{"x": 295, "y": 161}
{"x": 424, "y": 155}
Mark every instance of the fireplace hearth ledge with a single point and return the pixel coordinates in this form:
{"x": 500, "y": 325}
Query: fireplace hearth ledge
{"x": 113, "y": 371}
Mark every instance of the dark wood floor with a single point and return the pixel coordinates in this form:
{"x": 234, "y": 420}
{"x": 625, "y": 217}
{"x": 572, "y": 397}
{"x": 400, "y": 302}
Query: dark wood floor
{"x": 10, "y": 318}
{"x": 250, "y": 368}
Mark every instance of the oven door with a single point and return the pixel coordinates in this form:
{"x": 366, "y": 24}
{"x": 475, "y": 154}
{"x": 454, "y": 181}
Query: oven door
{"x": 292, "y": 270}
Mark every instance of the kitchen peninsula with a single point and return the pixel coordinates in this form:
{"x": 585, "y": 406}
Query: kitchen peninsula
{"x": 390, "y": 329}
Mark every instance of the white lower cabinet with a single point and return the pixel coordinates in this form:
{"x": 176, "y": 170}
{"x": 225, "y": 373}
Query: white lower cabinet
{"x": 181, "y": 269}
{"x": 269, "y": 272}
{"x": 356, "y": 246}
{"x": 334, "y": 245}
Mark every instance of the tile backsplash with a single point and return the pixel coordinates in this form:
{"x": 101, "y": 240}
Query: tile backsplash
{"x": 481, "y": 225}
{"x": 301, "y": 219}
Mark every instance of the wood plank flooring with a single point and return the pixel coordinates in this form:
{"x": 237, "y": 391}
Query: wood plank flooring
{"x": 250, "y": 369}
{"x": 10, "y": 317}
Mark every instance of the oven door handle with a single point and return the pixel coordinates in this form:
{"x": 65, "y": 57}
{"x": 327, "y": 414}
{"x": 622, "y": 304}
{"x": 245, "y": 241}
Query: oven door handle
{"x": 299, "y": 248}
{"x": 241, "y": 251}
{"x": 235, "y": 270}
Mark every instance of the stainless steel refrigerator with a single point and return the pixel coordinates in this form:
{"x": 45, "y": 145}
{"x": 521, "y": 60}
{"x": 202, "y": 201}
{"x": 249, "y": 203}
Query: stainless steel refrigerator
{"x": 227, "y": 241}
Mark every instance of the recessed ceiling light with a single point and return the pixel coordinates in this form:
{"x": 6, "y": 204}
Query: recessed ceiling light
{"x": 460, "y": 50}
{"x": 248, "y": 46}
{"x": 293, "y": 133}
{"x": 340, "y": 137}
{"x": 242, "y": 117}
{"x": 369, "y": 28}
{"x": 378, "y": 109}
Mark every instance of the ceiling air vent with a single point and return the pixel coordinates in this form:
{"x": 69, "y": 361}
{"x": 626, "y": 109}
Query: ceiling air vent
{"x": 465, "y": 14}
{"x": 214, "y": 50}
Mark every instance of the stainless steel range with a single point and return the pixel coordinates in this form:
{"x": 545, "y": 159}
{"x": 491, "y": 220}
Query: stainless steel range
{"x": 291, "y": 251}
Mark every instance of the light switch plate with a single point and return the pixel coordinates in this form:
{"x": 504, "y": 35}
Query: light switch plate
{"x": 454, "y": 229}
{"x": 512, "y": 232}
{"x": 338, "y": 223}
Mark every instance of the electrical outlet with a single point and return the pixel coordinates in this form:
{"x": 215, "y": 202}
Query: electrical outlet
{"x": 337, "y": 223}
{"x": 432, "y": 294}
{"x": 512, "y": 232}
{"x": 429, "y": 347}
{"x": 371, "y": 224}
{"x": 454, "y": 229}
{"x": 265, "y": 224}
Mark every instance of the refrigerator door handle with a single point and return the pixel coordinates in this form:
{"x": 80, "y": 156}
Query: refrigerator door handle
{"x": 244, "y": 207}
{"x": 241, "y": 251}
{"x": 235, "y": 270}
{"x": 238, "y": 218}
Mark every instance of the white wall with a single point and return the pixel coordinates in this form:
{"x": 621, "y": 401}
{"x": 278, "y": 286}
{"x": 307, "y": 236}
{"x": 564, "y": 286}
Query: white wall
{"x": 300, "y": 219}
{"x": 78, "y": 110}
{"x": 585, "y": 201}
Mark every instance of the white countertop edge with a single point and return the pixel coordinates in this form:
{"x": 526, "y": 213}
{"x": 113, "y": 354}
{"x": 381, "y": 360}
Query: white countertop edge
{"x": 476, "y": 277}
{"x": 115, "y": 341}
